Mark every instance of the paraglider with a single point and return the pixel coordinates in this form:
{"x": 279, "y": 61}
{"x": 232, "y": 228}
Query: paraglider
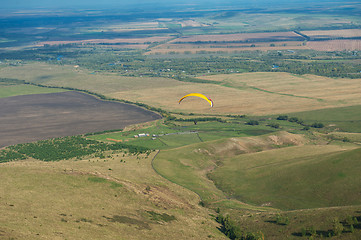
{"x": 198, "y": 95}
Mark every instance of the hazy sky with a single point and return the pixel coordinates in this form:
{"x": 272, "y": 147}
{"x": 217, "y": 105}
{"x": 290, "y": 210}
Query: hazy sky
{"x": 26, "y": 4}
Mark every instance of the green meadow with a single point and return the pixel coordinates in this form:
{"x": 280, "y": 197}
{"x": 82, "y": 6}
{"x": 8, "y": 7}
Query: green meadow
{"x": 345, "y": 119}
{"x": 24, "y": 89}
{"x": 299, "y": 177}
{"x": 177, "y": 134}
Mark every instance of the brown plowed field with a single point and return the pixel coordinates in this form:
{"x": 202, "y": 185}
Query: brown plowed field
{"x": 35, "y": 117}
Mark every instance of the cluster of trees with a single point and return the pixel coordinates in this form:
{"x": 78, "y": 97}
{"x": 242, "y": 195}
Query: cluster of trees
{"x": 329, "y": 69}
{"x": 338, "y": 227}
{"x": 10, "y": 81}
{"x": 252, "y": 122}
{"x": 200, "y": 119}
{"x": 301, "y": 122}
{"x": 8, "y": 155}
{"x": 133, "y": 63}
{"x": 234, "y": 232}
{"x": 67, "y": 148}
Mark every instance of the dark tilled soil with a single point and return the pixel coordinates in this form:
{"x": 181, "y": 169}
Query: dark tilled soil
{"x": 42, "y": 116}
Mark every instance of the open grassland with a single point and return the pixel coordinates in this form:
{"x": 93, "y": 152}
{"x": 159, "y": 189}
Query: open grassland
{"x": 347, "y": 119}
{"x": 293, "y": 178}
{"x": 269, "y": 172}
{"x": 24, "y": 89}
{"x": 119, "y": 197}
{"x": 281, "y": 89}
{"x": 188, "y": 166}
{"x": 70, "y": 76}
{"x": 305, "y": 86}
{"x": 301, "y": 224}
{"x": 247, "y": 93}
{"x": 182, "y": 134}
{"x": 120, "y": 193}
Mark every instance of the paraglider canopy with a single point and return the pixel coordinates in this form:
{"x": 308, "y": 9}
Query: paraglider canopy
{"x": 198, "y": 95}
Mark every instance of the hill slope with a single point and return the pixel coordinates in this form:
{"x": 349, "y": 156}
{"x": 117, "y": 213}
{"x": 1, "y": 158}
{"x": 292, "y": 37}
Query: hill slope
{"x": 293, "y": 178}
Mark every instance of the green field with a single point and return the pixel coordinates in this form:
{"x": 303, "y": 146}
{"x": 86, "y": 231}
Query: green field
{"x": 293, "y": 178}
{"x": 24, "y": 89}
{"x": 189, "y": 166}
{"x": 179, "y": 134}
{"x": 346, "y": 119}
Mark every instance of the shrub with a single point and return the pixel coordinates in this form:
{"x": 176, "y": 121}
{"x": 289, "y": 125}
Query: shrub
{"x": 337, "y": 228}
{"x": 282, "y": 117}
{"x": 293, "y": 119}
{"x": 317, "y": 125}
{"x": 252, "y": 122}
{"x": 274, "y": 125}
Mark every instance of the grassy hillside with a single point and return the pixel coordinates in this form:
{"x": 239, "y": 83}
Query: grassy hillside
{"x": 119, "y": 197}
{"x": 188, "y": 166}
{"x": 346, "y": 119}
{"x": 293, "y": 178}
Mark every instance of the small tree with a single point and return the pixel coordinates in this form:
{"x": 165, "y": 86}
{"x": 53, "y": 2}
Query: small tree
{"x": 252, "y": 122}
{"x": 282, "y": 117}
{"x": 293, "y": 119}
{"x": 303, "y": 232}
{"x": 274, "y": 125}
{"x": 317, "y": 125}
{"x": 352, "y": 228}
{"x": 337, "y": 227}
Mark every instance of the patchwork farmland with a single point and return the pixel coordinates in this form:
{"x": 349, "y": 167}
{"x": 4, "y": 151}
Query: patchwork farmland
{"x": 275, "y": 158}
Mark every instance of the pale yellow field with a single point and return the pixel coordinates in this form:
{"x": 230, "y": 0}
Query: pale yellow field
{"x": 247, "y": 93}
{"x": 307, "y": 91}
{"x": 335, "y": 45}
{"x": 274, "y": 93}
{"x": 70, "y": 76}
{"x": 56, "y": 200}
{"x": 334, "y": 33}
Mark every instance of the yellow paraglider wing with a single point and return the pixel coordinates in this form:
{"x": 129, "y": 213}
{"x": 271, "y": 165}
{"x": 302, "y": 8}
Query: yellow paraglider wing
{"x": 198, "y": 95}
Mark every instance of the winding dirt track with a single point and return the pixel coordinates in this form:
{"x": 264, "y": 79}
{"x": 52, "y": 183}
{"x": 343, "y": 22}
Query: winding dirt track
{"x": 31, "y": 118}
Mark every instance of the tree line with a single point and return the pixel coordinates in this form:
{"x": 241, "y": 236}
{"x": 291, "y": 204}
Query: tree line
{"x": 65, "y": 148}
{"x": 134, "y": 63}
